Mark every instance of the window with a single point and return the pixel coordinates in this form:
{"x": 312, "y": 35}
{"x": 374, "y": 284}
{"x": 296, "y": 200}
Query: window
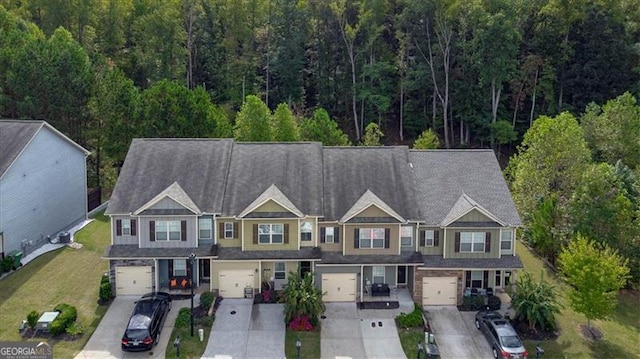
{"x": 126, "y": 227}
{"x": 280, "y": 270}
{"x": 428, "y": 238}
{"x": 498, "y": 278}
{"x": 305, "y": 231}
{"x": 205, "y": 226}
{"x": 378, "y": 274}
{"x": 228, "y": 230}
{"x": 270, "y": 233}
{"x": 372, "y": 237}
{"x": 506, "y": 240}
{"x": 476, "y": 279}
{"x": 472, "y": 241}
{"x": 406, "y": 236}
{"x": 180, "y": 267}
{"x": 168, "y": 230}
{"x": 328, "y": 235}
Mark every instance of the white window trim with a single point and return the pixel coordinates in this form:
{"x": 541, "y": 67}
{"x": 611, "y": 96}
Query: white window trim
{"x": 476, "y": 237}
{"x": 179, "y": 265}
{"x": 370, "y": 238}
{"x": 228, "y": 230}
{"x": 126, "y": 227}
{"x": 373, "y": 275}
{"x": 276, "y": 271}
{"x": 310, "y": 231}
{"x": 430, "y": 238}
{"x": 168, "y": 230}
{"x": 271, "y": 233}
{"x": 510, "y": 241}
{"x": 210, "y": 229}
{"x": 404, "y": 237}
{"x": 329, "y": 238}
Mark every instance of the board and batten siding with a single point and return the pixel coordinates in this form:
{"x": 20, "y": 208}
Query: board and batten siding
{"x": 192, "y": 233}
{"x": 43, "y": 193}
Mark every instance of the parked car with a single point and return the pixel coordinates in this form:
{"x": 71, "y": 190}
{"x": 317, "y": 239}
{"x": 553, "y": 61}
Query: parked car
{"x": 505, "y": 342}
{"x": 146, "y": 321}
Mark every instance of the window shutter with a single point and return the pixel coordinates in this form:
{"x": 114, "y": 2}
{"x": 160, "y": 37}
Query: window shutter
{"x": 387, "y": 237}
{"x": 221, "y": 230}
{"x": 255, "y": 234}
{"x": 118, "y": 227}
{"x": 457, "y": 244}
{"x": 183, "y": 231}
{"x": 336, "y": 234}
{"x": 485, "y": 279}
{"x": 286, "y": 234}
{"x": 423, "y": 236}
{"x": 436, "y": 238}
{"x": 322, "y": 235}
{"x": 487, "y": 243}
{"x": 152, "y": 231}
{"x": 170, "y": 267}
{"x": 134, "y": 227}
{"x": 235, "y": 230}
{"x": 356, "y": 238}
{"x": 468, "y": 279}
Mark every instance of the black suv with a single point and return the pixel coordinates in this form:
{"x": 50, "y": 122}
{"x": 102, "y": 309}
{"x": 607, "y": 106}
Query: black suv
{"x": 504, "y": 341}
{"x": 147, "y": 319}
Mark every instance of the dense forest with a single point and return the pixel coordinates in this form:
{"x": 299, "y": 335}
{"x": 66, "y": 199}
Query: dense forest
{"x": 556, "y": 80}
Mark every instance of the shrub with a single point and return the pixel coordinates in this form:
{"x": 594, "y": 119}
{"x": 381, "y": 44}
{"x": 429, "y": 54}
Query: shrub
{"x": 105, "y": 291}
{"x": 6, "y": 265}
{"x": 75, "y": 329}
{"x": 268, "y": 296}
{"x": 535, "y": 303}
{"x": 68, "y": 315}
{"x": 258, "y": 299}
{"x": 301, "y": 323}
{"x": 494, "y": 302}
{"x": 184, "y": 317}
{"x": 32, "y": 318}
{"x": 472, "y": 303}
{"x": 411, "y": 320}
{"x": 206, "y": 299}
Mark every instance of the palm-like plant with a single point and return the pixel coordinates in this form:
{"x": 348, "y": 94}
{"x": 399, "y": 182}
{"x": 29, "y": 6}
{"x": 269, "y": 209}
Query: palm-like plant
{"x": 535, "y": 302}
{"x": 302, "y": 298}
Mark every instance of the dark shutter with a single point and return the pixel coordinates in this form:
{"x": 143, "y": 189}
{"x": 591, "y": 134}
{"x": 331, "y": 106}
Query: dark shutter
{"x": 134, "y": 227}
{"x": 286, "y": 234}
{"x": 170, "y": 267}
{"x": 235, "y": 230}
{"x": 387, "y": 237}
{"x": 485, "y": 279}
{"x": 468, "y": 279}
{"x": 423, "y": 235}
{"x": 152, "y": 231}
{"x": 356, "y": 238}
{"x": 436, "y": 238}
{"x": 118, "y": 227}
{"x": 487, "y": 243}
{"x": 255, "y": 234}
{"x": 221, "y": 230}
{"x": 183, "y": 231}
{"x": 336, "y": 234}
{"x": 457, "y": 244}
{"x": 322, "y": 234}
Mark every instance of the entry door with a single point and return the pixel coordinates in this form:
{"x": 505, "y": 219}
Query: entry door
{"x": 402, "y": 275}
{"x": 205, "y": 269}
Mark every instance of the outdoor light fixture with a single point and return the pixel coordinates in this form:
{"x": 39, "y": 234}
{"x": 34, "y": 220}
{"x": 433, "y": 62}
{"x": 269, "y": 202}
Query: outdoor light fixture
{"x": 192, "y": 260}
{"x": 298, "y": 346}
{"x": 420, "y": 348}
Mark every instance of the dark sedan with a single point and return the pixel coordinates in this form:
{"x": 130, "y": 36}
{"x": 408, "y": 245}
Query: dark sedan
{"x": 505, "y": 342}
{"x": 146, "y": 321}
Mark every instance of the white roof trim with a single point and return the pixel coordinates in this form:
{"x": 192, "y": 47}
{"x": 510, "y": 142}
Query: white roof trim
{"x": 464, "y": 205}
{"x": 367, "y": 200}
{"x": 176, "y": 193}
{"x": 272, "y": 193}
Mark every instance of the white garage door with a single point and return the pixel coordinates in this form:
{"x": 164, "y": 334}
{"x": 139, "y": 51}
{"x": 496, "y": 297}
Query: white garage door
{"x": 134, "y": 280}
{"x": 234, "y": 281}
{"x": 340, "y": 287}
{"x": 439, "y": 290}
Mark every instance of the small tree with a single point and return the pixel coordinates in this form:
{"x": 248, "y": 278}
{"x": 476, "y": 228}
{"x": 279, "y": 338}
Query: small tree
{"x": 302, "y": 298}
{"x": 535, "y": 303}
{"x": 428, "y": 140}
{"x": 372, "y": 135}
{"x": 596, "y": 273}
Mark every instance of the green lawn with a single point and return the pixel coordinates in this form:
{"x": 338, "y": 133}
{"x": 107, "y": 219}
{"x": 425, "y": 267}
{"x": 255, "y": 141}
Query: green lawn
{"x": 66, "y": 275}
{"x": 190, "y": 346}
{"x": 310, "y": 348}
{"x": 409, "y": 338}
{"x": 621, "y": 333}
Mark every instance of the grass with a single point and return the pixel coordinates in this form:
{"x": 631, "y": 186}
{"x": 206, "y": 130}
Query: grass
{"x": 621, "y": 333}
{"x": 190, "y": 347}
{"x": 409, "y": 339}
{"x": 63, "y": 276}
{"x": 310, "y": 348}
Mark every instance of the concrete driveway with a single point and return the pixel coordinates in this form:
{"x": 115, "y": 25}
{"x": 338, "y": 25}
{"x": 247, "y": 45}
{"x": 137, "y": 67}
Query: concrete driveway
{"x": 456, "y": 334}
{"x": 351, "y": 333}
{"x": 244, "y": 330}
{"x": 105, "y": 341}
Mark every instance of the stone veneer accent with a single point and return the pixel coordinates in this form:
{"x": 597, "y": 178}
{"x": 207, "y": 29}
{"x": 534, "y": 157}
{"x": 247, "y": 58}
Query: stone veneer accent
{"x": 421, "y": 273}
{"x": 127, "y": 263}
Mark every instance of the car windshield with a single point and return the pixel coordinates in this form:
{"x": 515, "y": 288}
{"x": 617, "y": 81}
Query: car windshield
{"x": 139, "y": 322}
{"x": 511, "y": 342}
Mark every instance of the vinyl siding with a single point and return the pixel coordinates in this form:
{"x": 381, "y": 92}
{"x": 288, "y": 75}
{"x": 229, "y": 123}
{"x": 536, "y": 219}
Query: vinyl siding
{"x": 192, "y": 233}
{"x": 123, "y": 239}
{"x": 270, "y": 206}
{"x": 167, "y": 203}
{"x": 372, "y": 211}
{"x": 432, "y": 250}
{"x": 474, "y": 216}
{"x": 450, "y": 243}
{"x": 394, "y": 244}
{"x": 227, "y": 242}
{"x": 247, "y": 229}
{"x": 331, "y": 247}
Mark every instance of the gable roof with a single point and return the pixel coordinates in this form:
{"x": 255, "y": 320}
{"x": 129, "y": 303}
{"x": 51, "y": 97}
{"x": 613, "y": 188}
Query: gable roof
{"x": 442, "y": 177}
{"x": 15, "y": 135}
{"x": 295, "y": 168}
{"x": 152, "y": 165}
{"x": 367, "y": 200}
{"x": 463, "y": 206}
{"x": 272, "y": 194}
{"x": 176, "y": 193}
{"x": 350, "y": 171}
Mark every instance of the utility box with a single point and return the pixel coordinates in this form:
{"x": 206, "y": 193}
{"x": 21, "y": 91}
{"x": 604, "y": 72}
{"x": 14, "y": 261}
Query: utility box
{"x": 45, "y": 320}
{"x": 64, "y": 237}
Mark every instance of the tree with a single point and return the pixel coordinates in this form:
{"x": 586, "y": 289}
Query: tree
{"x": 547, "y": 228}
{"x": 253, "y": 122}
{"x": 502, "y": 132}
{"x": 595, "y": 273}
{"x": 428, "y": 140}
{"x": 285, "y": 127}
{"x": 535, "y": 303}
{"x": 372, "y": 135}
{"x": 321, "y": 128}
{"x": 302, "y": 298}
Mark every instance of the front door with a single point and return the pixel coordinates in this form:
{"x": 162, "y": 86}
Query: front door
{"x": 205, "y": 270}
{"x": 402, "y": 275}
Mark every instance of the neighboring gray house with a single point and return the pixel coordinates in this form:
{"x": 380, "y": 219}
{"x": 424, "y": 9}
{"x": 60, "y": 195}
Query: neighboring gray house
{"x": 361, "y": 219}
{"x": 43, "y": 184}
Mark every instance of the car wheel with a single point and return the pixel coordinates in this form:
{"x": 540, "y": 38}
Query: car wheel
{"x": 495, "y": 353}
{"x": 477, "y": 324}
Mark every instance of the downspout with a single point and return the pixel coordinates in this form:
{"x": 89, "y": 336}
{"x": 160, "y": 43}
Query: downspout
{"x": 362, "y": 283}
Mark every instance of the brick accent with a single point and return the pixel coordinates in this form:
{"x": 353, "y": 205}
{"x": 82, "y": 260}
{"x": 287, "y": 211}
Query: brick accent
{"x": 421, "y": 273}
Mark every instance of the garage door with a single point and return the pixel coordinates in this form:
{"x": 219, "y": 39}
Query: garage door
{"x": 134, "y": 280}
{"x": 340, "y": 287}
{"x": 234, "y": 281}
{"x": 439, "y": 290}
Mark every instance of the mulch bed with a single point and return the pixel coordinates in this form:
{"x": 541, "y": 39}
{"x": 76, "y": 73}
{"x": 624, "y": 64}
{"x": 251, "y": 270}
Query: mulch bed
{"x": 380, "y": 305}
{"x": 590, "y": 333}
{"x": 29, "y": 333}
